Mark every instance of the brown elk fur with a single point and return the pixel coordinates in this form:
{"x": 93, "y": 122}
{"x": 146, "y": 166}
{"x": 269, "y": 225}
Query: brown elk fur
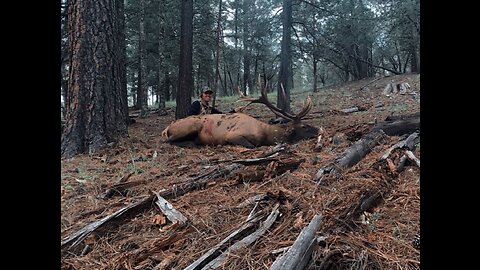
{"x": 237, "y": 128}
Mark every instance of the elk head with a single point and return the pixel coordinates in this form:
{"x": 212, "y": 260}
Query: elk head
{"x": 293, "y": 129}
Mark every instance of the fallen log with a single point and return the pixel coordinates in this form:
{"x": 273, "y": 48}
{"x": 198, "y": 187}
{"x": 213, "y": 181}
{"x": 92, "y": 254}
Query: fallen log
{"x": 301, "y": 249}
{"x": 74, "y": 239}
{"x": 352, "y": 155}
{"x": 360, "y": 149}
{"x": 367, "y": 201}
{"x": 405, "y": 125}
{"x": 246, "y": 241}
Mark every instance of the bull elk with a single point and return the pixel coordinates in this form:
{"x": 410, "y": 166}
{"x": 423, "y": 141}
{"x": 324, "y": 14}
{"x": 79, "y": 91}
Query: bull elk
{"x": 240, "y": 128}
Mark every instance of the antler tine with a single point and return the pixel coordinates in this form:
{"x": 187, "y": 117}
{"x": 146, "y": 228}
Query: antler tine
{"x": 305, "y": 110}
{"x": 297, "y": 117}
{"x": 263, "y": 99}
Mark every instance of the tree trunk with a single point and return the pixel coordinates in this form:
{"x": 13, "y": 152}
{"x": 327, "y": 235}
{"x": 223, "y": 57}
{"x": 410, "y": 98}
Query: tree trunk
{"x": 142, "y": 94}
{"x": 217, "y": 53}
{"x": 161, "y": 31}
{"x": 122, "y": 57}
{"x": 64, "y": 58}
{"x": 285, "y": 78}
{"x": 96, "y": 114}
{"x": 185, "y": 79}
{"x": 315, "y": 76}
{"x": 414, "y": 60}
{"x": 247, "y": 80}
{"x": 237, "y": 54}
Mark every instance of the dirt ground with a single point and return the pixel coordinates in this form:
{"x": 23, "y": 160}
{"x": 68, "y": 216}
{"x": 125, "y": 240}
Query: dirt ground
{"x": 379, "y": 237}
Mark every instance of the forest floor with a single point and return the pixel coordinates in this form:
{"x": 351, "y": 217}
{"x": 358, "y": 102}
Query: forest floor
{"x": 379, "y": 237}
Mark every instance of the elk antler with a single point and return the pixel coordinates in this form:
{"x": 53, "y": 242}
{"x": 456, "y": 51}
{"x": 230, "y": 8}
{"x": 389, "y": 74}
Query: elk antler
{"x": 263, "y": 99}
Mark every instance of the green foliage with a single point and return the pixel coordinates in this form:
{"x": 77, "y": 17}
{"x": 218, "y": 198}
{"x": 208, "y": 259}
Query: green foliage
{"x": 341, "y": 36}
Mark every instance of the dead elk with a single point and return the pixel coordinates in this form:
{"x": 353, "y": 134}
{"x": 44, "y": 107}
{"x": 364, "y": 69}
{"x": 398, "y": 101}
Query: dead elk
{"x": 240, "y": 128}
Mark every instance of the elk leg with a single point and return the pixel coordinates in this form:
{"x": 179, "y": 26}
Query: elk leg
{"x": 240, "y": 141}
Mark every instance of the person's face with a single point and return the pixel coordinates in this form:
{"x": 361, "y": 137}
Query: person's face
{"x": 207, "y": 97}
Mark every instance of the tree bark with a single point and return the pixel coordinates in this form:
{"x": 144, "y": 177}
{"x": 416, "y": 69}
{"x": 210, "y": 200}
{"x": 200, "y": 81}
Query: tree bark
{"x": 161, "y": 32}
{"x": 217, "y": 53}
{"x": 185, "y": 76}
{"x": 142, "y": 93}
{"x": 96, "y": 114}
{"x": 285, "y": 77}
{"x": 122, "y": 57}
{"x": 247, "y": 80}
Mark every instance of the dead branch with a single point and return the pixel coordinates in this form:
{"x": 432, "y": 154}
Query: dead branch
{"x": 350, "y": 110}
{"x": 150, "y": 247}
{"x": 214, "y": 264}
{"x": 379, "y": 78}
{"x": 408, "y": 143}
{"x": 276, "y": 149}
{"x": 401, "y": 163}
{"x": 122, "y": 187}
{"x": 368, "y": 200}
{"x": 175, "y": 191}
{"x": 253, "y": 199}
{"x": 256, "y": 161}
{"x": 74, "y": 239}
{"x": 301, "y": 248}
{"x": 214, "y": 252}
{"x": 168, "y": 210}
{"x": 412, "y": 157}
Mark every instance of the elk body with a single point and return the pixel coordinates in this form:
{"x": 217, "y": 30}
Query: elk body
{"x": 240, "y": 128}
